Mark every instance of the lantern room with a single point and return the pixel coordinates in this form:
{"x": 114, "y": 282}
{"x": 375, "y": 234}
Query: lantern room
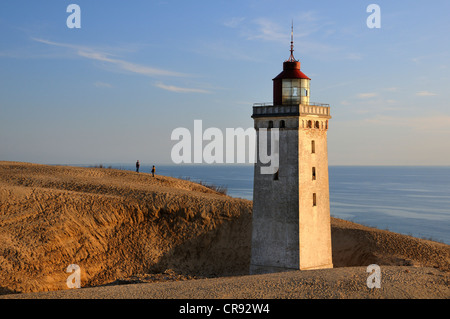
{"x": 291, "y": 86}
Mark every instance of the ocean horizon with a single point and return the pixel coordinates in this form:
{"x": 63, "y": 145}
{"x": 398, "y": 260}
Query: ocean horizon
{"x": 411, "y": 200}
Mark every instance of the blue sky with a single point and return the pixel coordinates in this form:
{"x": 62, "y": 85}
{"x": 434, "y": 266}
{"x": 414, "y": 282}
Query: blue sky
{"x": 114, "y": 90}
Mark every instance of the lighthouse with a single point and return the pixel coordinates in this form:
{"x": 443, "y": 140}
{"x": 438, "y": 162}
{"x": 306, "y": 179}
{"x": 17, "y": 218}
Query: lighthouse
{"x": 291, "y": 206}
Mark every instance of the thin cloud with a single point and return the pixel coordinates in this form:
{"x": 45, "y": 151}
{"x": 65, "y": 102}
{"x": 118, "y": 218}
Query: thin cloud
{"x": 178, "y": 89}
{"x": 430, "y": 123}
{"x": 102, "y": 85}
{"x": 233, "y": 22}
{"x": 93, "y": 54}
{"x": 425, "y": 93}
{"x": 305, "y": 25}
{"x": 366, "y": 95}
{"x": 269, "y": 31}
{"x": 354, "y": 56}
{"x": 222, "y": 50}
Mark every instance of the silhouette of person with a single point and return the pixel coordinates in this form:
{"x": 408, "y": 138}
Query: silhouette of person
{"x": 153, "y": 171}
{"x": 137, "y": 166}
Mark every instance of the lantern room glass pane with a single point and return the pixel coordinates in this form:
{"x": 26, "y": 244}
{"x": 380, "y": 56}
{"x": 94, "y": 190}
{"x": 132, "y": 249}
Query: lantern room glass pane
{"x": 291, "y": 91}
{"x": 287, "y": 83}
{"x": 305, "y": 83}
{"x": 305, "y": 92}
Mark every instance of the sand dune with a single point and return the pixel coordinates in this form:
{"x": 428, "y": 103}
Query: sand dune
{"x": 124, "y": 227}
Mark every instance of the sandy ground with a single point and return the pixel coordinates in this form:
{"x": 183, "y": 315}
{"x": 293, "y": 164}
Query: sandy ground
{"x": 338, "y": 283}
{"x": 135, "y": 236}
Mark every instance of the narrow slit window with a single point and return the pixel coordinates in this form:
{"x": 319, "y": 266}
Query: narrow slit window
{"x": 270, "y": 124}
{"x": 313, "y": 147}
{"x": 314, "y": 199}
{"x": 275, "y": 176}
{"x": 282, "y": 124}
{"x": 313, "y": 173}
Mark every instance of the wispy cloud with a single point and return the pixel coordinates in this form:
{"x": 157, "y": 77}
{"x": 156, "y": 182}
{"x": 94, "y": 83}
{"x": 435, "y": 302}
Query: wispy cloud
{"x": 366, "y": 95}
{"x": 102, "y": 85}
{"x": 429, "y": 123}
{"x": 98, "y": 55}
{"x": 224, "y": 50}
{"x": 429, "y": 57}
{"x": 354, "y": 56}
{"x": 178, "y": 89}
{"x": 306, "y": 24}
{"x": 425, "y": 93}
{"x": 268, "y": 30}
{"x": 233, "y": 22}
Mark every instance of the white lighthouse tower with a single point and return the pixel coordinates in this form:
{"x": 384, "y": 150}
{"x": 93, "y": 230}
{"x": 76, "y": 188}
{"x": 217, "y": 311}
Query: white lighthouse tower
{"x": 291, "y": 208}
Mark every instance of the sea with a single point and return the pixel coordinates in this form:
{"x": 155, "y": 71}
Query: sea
{"x": 411, "y": 200}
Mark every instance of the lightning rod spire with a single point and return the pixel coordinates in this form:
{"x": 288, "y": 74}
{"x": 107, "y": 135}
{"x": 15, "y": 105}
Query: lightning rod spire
{"x": 291, "y": 58}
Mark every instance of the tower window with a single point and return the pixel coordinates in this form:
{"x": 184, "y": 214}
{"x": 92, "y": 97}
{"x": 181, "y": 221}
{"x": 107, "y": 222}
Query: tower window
{"x": 317, "y": 125}
{"x": 275, "y": 176}
{"x": 282, "y": 124}
{"x": 309, "y": 124}
{"x": 270, "y": 124}
{"x": 313, "y": 147}
{"x": 314, "y": 199}
{"x": 313, "y": 173}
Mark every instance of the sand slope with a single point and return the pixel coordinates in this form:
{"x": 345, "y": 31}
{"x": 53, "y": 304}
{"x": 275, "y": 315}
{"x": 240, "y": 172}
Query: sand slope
{"x": 118, "y": 224}
{"x": 112, "y": 224}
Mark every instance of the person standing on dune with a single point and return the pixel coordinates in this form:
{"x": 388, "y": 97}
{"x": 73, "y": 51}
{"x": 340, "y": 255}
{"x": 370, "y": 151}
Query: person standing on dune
{"x": 137, "y": 166}
{"x": 153, "y": 171}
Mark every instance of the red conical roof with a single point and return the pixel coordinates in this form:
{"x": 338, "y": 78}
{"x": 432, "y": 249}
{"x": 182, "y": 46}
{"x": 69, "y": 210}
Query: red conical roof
{"x": 291, "y": 70}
